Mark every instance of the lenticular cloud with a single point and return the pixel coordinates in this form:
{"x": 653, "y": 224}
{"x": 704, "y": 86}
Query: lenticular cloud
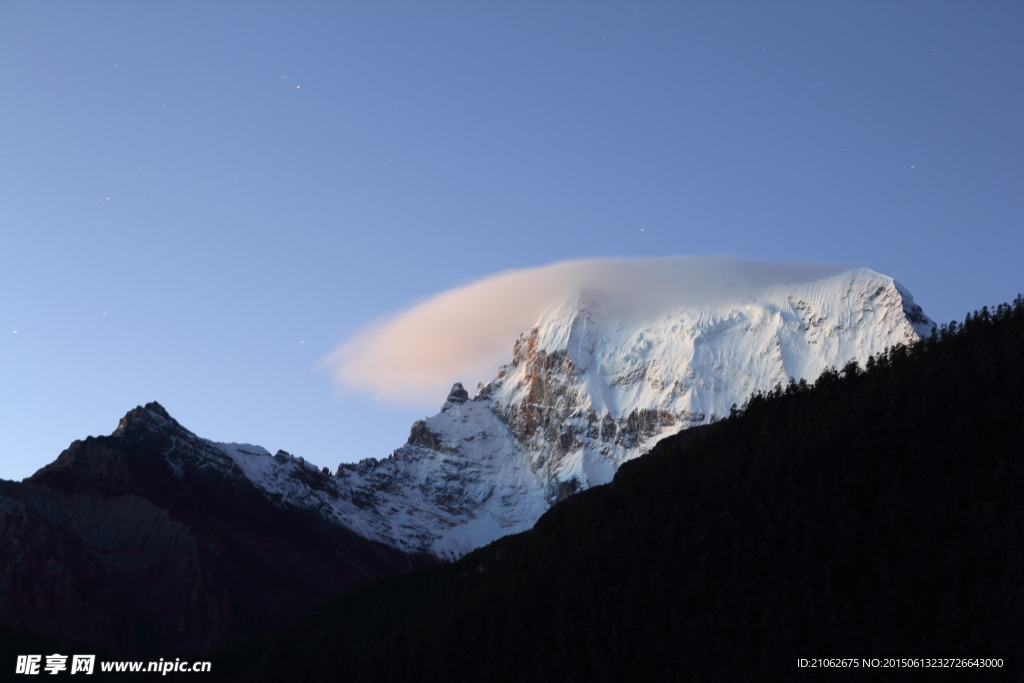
{"x": 463, "y": 334}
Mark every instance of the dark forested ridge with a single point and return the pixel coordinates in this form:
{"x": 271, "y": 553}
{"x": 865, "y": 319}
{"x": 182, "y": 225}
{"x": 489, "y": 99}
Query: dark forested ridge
{"x": 878, "y": 513}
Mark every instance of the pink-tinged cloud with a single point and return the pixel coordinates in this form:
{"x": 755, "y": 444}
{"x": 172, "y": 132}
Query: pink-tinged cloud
{"x": 464, "y": 334}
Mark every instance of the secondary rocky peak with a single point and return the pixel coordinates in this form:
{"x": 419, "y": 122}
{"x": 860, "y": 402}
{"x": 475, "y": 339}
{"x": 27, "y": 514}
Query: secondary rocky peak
{"x": 155, "y": 407}
{"x": 147, "y": 441}
{"x": 150, "y": 418}
{"x": 458, "y": 394}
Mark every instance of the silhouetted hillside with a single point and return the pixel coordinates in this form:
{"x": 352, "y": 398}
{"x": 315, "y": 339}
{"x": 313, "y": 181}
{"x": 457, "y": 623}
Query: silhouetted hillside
{"x": 876, "y": 514}
{"x": 137, "y": 543}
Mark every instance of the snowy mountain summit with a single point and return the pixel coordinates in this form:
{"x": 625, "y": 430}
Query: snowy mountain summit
{"x": 591, "y": 386}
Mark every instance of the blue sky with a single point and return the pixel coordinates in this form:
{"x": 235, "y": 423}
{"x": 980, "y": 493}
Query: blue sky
{"x": 200, "y": 200}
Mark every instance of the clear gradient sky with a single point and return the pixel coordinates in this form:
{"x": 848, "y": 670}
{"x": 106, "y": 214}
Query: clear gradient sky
{"x": 200, "y": 200}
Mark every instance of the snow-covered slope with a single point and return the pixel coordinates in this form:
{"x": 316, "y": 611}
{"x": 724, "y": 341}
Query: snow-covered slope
{"x": 587, "y": 389}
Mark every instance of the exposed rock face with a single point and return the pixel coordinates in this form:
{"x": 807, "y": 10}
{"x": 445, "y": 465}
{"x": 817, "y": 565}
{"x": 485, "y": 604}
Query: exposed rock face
{"x": 152, "y": 542}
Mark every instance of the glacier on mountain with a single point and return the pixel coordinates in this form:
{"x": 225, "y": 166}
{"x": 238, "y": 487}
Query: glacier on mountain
{"x": 588, "y": 388}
